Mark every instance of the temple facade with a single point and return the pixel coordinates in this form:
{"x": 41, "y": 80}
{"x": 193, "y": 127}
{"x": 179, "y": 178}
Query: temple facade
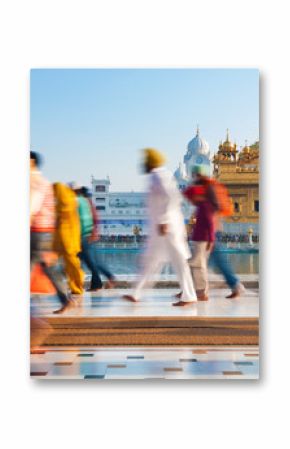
{"x": 239, "y": 172}
{"x": 125, "y": 213}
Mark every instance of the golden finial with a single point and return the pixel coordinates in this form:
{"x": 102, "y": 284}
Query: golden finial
{"x": 228, "y": 135}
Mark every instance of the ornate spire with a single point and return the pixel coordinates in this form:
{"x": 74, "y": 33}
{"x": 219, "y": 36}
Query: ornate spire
{"x": 228, "y": 136}
{"x": 197, "y": 130}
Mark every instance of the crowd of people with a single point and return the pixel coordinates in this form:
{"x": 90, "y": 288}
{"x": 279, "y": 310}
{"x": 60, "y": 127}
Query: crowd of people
{"x": 64, "y": 222}
{"x": 64, "y": 226}
{"x": 167, "y": 239}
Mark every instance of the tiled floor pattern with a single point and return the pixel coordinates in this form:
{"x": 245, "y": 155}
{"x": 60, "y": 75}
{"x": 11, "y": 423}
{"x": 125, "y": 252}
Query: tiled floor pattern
{"x": 202, "y": 362}
{"x": 157, "y": 302}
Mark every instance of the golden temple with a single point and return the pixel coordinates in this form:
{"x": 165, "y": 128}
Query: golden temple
{"x": 239, "y": 172}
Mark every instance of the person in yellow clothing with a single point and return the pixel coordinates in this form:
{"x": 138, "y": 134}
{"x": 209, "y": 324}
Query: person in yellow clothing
{"x": 67, "y": 240}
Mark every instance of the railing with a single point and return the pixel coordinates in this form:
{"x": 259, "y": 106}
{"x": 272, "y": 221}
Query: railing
{"x": 240, "y": 246}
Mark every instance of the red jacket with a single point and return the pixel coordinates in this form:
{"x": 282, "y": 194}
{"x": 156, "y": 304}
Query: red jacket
{"x": 204, "y": 229}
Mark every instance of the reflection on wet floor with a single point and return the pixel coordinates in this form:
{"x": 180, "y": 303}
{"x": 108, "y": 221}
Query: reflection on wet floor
{"x": 158, "y": 302}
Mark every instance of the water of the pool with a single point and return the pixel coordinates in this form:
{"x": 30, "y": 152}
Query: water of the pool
{"x": 128, "y": 261}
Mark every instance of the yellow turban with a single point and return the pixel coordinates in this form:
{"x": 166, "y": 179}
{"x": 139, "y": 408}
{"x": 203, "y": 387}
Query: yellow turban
{"x": 153, "y": 158}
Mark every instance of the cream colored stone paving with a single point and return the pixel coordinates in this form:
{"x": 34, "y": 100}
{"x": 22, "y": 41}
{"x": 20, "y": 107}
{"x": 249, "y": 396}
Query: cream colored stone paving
{"x": 190, "y": 362}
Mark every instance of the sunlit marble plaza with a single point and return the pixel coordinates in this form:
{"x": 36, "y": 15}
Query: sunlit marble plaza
{"x": 155, "y": 303}
{"x": 105, "y": 337}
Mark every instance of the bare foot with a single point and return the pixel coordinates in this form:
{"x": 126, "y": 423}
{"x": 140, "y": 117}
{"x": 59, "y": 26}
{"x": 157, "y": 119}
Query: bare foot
{"x": 111, "y": 283}
{"x": 183, "y": 303}
{"x": 237, "y": 292}
{"x": 130, "y": 298}
{"x": 233, "y": 295}
{"x": 69, "y": 305}
{"x": 202, "y": 298}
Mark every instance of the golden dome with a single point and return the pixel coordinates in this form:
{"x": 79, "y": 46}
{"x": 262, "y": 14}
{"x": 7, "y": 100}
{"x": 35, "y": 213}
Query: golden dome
{"x": 227, "y": 144}
{"x": 246, "y": 149}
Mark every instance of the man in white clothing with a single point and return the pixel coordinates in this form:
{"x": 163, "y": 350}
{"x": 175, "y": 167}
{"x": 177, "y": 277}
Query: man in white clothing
{"x": 167, "y": 240}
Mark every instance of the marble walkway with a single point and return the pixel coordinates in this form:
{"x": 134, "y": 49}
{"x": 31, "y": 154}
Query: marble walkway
{"x": 127, "y": 362}
{"x": 157, "y": 302}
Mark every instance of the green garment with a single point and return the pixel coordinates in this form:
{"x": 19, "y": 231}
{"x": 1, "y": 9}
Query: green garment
{"x": 86, "y": 217}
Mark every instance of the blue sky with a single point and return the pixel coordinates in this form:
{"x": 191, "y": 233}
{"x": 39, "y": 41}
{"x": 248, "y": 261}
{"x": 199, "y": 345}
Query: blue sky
{"x": 95, "y": 121}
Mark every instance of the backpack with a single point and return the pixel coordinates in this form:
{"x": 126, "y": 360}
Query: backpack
{"x": 224, "y": 201}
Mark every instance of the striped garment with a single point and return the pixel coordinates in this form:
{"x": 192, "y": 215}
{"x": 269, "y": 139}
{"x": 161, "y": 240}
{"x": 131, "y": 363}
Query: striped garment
{"x": 42, "y": 204}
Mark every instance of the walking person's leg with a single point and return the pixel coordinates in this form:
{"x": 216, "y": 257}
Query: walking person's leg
{"x": 41, "y": 243}
{"x": 181, "y": 267}
{"x": 218, "y": 258}
{"x": 198, "y": 265}
{"x": 87, "y": 257}
{"x": 74, "y": 272}
{"x": 101, "y": 267}
{"x": 39, "y": 328}
{"x": 152, "y": 266}
{"x": 57, "y": 280}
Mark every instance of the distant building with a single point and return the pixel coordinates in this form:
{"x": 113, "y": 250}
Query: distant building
{"x": 121, "y": 213}
{"x": 125, "y": 213}
{"x": 198, "y": 153}
{"x": 239, "y": 171}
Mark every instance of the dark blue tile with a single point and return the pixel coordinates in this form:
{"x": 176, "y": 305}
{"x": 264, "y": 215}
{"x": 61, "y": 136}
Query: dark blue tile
{"x": 188, "y": 360}
{"x": 94, "y": 376}
{"x": 244, "y": 363}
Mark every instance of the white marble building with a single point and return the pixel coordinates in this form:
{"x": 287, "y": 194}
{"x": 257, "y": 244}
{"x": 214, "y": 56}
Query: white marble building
{"x": 121, "y": 213}
{"x": 124, "y": 213}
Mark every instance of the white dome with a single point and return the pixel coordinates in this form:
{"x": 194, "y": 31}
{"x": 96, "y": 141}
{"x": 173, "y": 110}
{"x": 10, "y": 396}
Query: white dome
{"x": 180, "y": 172}
{"x": 197, "y": 146}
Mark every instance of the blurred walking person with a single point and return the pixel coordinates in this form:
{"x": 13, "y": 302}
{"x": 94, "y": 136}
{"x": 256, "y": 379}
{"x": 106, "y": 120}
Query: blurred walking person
{"x": 219, "y": 259}
{"x": 167, "y": 234}
{"x": 203, "y": 235}
{"x": 213, "y": 197}
{"x": 42, "y": 228}
{"x": 67, "y": 240}
{"x": 90, "y": 235}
